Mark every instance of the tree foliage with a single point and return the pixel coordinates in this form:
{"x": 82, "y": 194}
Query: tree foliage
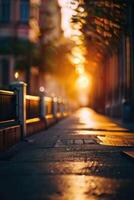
{"x": 25, "y": 52}
{"x": 101, "y": 21}
{"x": 56, "y": 60}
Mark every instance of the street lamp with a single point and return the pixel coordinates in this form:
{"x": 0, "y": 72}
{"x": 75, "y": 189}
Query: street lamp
{"x": 16, "y": 75}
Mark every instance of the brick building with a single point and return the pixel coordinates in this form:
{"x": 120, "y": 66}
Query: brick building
{"x": 19, "y": 31}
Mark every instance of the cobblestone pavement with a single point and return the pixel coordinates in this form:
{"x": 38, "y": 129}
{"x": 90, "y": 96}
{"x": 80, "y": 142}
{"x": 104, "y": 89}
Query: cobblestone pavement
{"x": 80, "y": 158}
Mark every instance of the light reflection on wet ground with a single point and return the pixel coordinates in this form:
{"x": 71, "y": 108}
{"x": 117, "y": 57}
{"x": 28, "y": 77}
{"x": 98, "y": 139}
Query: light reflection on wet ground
{"x": 87, "y": 119}
{"x": 91, "y": 119}
{"x": 117, "y": 140}
{"x": 67, "y": 162}
{"x": 87, "y": 188}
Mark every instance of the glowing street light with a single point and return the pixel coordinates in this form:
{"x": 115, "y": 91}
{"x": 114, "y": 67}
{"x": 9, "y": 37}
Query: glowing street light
{"x": 42, "y": 89}
{"x": 16, "y": 75}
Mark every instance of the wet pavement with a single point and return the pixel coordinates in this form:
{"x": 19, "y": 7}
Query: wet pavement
{"x": 80, "y": 158}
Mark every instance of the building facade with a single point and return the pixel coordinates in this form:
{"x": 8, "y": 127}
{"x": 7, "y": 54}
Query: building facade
{"x": 50, "y": 21}
{"x": 19, "y": 31}
{"x": 50, "y": 38}
{"x": 115, "y": 81}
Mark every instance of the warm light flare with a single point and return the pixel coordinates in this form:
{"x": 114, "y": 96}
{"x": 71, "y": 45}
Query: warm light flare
{"x": 79, "y": 59}
{"x": 78, "y": 50}
{"x": 67, "y": 12}
{"x": 16, "y": 75}
{"x": 80, "y": 69}
{"x": 42, "y": 89}
{"x": 81, "y": 9}
{"x": 84, "y": 88}
{"x": 83, "y": 81}
{"x": 76, "y": 61}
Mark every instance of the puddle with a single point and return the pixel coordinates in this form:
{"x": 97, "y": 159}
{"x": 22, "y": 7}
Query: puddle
{"x": 118, "y": 141}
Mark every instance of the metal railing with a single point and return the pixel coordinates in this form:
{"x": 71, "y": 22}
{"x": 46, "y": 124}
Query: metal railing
{"x": 59, "y": 106}
{"x": 7, "y": 106}
{"x": 17, "y": 109}
{"x": 32, "y": 107}
{"x": 16, "y": 106}
{"x": 48, "y": 106}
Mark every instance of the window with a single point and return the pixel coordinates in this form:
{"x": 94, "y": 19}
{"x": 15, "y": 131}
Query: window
{"x": 24, "y": 11}
{"x": 5, "y": 71}
{"x": 5, "y": 11}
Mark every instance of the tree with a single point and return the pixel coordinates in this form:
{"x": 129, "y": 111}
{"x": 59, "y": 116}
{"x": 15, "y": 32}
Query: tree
{"x": 101, "y": 21}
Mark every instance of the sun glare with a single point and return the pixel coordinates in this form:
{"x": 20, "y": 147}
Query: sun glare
{"x": 77, "y": 56}
{"x": 67, "y": 13}
{"x": 83, "y": 81}
{"x": 80, "y": 69}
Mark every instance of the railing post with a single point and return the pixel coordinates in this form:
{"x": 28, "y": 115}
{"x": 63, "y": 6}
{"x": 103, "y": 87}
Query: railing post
{"x": 63, "y": 107}
{"x": 42, "y": 106}
{"x": 20, "y": 88}
{"x": 55, "y": 106}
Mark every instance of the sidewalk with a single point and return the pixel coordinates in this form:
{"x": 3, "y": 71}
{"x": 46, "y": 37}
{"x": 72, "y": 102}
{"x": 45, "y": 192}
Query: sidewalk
{"x": 128, "y": 125}
{"x": 69, "y": 162}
